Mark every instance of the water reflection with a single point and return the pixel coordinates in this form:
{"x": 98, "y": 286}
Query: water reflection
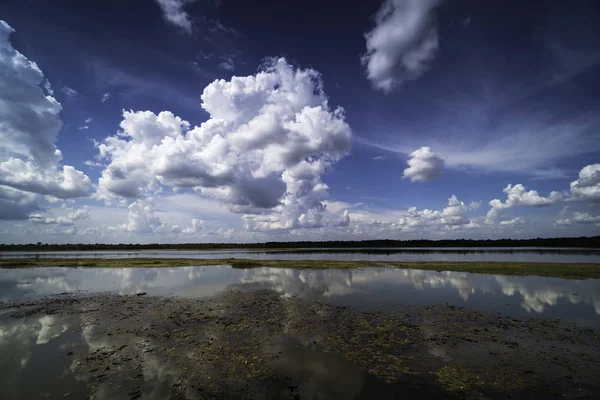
{"x": 518, "y": 254}
{"x": 35, "y": 348}
{"x": 374, "y": 288}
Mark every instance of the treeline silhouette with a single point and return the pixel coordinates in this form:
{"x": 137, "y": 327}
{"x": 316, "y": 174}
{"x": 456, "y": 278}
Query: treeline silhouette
{"x": 584, "y": 241}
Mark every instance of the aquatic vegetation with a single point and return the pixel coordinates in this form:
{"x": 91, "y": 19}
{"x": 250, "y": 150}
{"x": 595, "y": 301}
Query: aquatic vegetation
{"x": 559, "y": 270}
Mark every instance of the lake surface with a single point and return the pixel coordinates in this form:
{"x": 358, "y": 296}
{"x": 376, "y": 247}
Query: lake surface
{"x": 40, "y": 348}
{"x": 519, "y": 254}
{"x": 370, "y": 288}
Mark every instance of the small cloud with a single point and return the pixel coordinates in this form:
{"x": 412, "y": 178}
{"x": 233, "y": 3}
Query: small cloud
{"x": 81, "y": 128}
{"x": 423, "y": 165}
{"x": 348, "y": 187}
{"x": 380, "y": 158}
{"x": 218, "y": 27}
{"x": 93, "y": 164}
{"x": 175, "y": 15}
{"x": 88, "y": 120}
{"x": 105, "y": 97}
{"x": 227, "y": 65}
{"x": 69, "y": 92}
{"x": 403, "y": 42}
{"x": 204, "y": 56}
{"x": 474, "y": 205}
{"x": 466, "y": 22}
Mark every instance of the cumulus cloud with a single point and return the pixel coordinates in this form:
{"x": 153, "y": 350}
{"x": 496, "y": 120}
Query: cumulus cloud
{"x": 142, "y": 218}
{"x": 268, "y": 140}
{"x": 67, "y": 220}
{"x": 17, "y": 204}
{"x": 29, "y": 125}
{"x": 519, "y": 196}
{"x": 453, "y": 216}
{"x": 587, "y": 187}
{"x": 174, "y": 13}
{"x": 105, "y": 97}
{"x": 29, "y": 177}
{"x": 403, "y": 42}
{"x": 423, "y": 165}
{"x": 197, "y": 226}
{"x": 345, "y": 218}
{"x": 579, "y": 218}
{"x": 512, "y": 222}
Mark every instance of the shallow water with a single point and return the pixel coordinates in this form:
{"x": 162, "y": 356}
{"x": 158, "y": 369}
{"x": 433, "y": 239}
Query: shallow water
{"x": 370, "y": 288}
{"x": 518, "y": 254}
{"x": 48, "y": 349}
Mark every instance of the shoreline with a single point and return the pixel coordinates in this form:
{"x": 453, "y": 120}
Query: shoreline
{"x": 544, "y": 269}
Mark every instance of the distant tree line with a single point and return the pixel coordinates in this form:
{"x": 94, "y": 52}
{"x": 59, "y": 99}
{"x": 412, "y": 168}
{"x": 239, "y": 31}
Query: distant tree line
{"x": 584, "y": 241}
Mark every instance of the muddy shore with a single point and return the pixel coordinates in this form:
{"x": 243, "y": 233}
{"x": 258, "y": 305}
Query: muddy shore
{"x": 258, "y": 344}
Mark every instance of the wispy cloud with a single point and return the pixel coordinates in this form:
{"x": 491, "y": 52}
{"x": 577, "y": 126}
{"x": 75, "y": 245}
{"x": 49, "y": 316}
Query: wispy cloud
{"x": 175, "y": 14}
{"x": 403, "y": 42}
{"x": 105, "y": 97}
{"x": 150, "y": 85}
{"x": 531, "y": 144}
{"x": 69, "y": 92}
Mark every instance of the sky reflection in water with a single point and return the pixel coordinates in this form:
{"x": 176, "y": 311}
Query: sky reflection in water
{"x": 371, "y": 288}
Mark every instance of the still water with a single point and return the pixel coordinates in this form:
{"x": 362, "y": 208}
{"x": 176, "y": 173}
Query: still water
{"x": 370, "y": 288}
{"x": 517, "y": 254}
{"x": 40, "y": 348}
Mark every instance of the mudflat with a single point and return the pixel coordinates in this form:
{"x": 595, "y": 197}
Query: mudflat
{"x": 259, "y": 344}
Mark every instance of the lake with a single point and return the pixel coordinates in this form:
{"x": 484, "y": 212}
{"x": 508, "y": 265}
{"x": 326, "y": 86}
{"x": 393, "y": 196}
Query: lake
{"x": 517, "y": 254}
{"x": 377, "y": 288}
{"x": 116, "y": 344}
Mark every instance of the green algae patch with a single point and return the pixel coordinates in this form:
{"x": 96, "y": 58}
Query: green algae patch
{"x": 479, "y": 383}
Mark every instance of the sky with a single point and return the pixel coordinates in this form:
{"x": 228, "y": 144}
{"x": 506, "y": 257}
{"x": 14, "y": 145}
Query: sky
{"x": 248, "y": 121}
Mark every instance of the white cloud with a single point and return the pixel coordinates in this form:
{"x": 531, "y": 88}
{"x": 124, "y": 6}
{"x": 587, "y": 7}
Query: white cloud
{"x": 142, "y": 218}
{"x": 403, "y": 42}
{"x": 423, "y": 165}
{"x": 66, "y": 220}
{"x": 105, "y": 97}
{"x": 380, "y": 158}
{"x": 587, "y": 187}
{"x": 474, "y": 205}
{"x": 69, "y": 92}
{"x": 84, "y": 127}
{"x": 174, "y": 13}
{"x": 579, "y": 218}
{"x": 512, "y": 222}
{"x": 345, "y": 218}
{"x": 269, "y": 139}
{"x": 88, "y": 120}
{"x": 519, "y": 196}
{"x": 29, "y": 159}
{"x": 197, "y": 226}
{"x": 93, "y": 164}
{"x": 29, "y": 177}
{"x": 16, "y": 204}
{"x": 453, "y": 216}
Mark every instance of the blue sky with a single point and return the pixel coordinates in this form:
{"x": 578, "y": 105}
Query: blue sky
{"x": 305, "y": 120}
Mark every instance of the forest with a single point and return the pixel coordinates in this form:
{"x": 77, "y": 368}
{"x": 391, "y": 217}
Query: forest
{"x": 578, "y": 242}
